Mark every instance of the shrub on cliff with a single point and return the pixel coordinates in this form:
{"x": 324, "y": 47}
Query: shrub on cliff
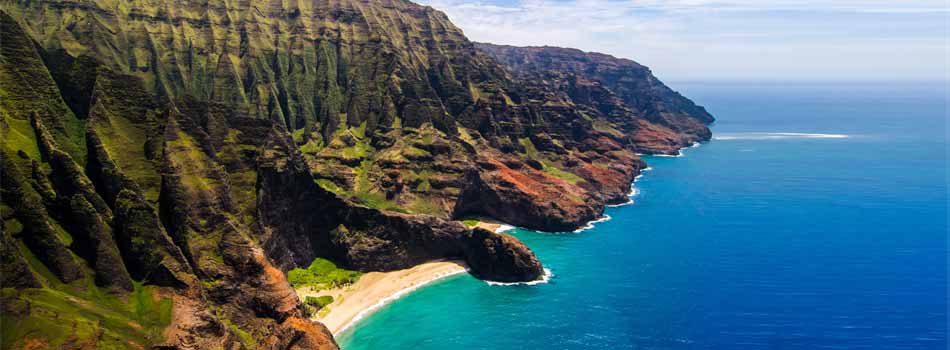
{"x": 319, "y": 302}
{"x": 322, "y": 273}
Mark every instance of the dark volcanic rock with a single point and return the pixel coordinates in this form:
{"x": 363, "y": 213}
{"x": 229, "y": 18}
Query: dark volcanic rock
{"x": 308, "y": 221}
{"x": 501, "y": 257}
{"x": 93, "y": 241}
{"x": 14, "y": 271}
{"x": 38, "y": 233}
{"x": 523, "y": 198}
{"x": 631, "y": 82}
{"x": 146, "y": 248}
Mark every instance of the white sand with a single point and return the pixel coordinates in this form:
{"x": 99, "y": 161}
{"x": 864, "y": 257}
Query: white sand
{"x": 375, "y": 289}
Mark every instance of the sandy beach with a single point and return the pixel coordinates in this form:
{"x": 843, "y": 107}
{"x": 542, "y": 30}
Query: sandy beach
{"x": 493, "y": 226}
{"x": 375, "y": 289}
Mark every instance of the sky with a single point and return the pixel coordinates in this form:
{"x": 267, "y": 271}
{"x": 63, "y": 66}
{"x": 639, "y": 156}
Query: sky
{"x": 691, "y": 40}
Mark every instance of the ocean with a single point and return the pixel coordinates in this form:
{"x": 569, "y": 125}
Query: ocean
{"x": 815, "y": 219}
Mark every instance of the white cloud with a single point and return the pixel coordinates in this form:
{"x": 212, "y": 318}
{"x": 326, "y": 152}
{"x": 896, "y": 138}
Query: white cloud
{"x": 740, "y": 39}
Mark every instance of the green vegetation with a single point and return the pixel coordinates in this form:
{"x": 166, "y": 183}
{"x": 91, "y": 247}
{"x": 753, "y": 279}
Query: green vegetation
{"x": 13, "y": 226}
{"x": 329, "y": 185}
{"x": 470, "y": 222}
{"x": 20, "y": 137}
{"x": 126, "y": 140}
{"x": 362, "y": 175}
{"x": 423, "y": 205}
{"x": 475, "y": 91}
{"x": 549, "y": 167}
{"x": 196, "y": 166}
{"x": 605, "y": 126}
{"x": 360, "y": 148}
{"x": 246, "y": 338}
{"x": 416, "y": 152}
{"x": 377, "y": 201}
{"x": 397, "y": 123}
{"x": 359, "y": 132}
{"x": 465, "y": 136}
{"x": 319, "y": 302}
{"x": 298, "y": 135}
{"x": 358, "y": 151}
{"x": 570, "y": 177}
{"x": 529, "y": 148}
{"x": 311, "y": 147}
{"x": 56, "y": 318}
{"x": 369, "y": 199}
{"x": 321, "y": 274}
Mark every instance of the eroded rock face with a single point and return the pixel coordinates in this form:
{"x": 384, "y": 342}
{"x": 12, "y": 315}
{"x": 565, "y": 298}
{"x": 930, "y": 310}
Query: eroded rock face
{"x": 192, "y": 151}
{"x": 523, "y": 198}
{"x": 112, "y": 210}
{"x": 626, "y": 80}
{"x": 307, "y": 221}
{"x": 501, "y": 257}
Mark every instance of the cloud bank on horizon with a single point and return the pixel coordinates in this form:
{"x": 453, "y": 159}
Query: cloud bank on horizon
{"x": 730, "y": 39}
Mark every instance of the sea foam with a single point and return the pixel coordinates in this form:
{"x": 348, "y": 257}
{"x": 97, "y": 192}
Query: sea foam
{"x": 628, "y": 202}
{"x": 776, "y": 136}
{"x": 503, "y": 228}
{"x": 590, "y": 224}
{"x": 545, "y": 277}
{"x": 634, "y": 191}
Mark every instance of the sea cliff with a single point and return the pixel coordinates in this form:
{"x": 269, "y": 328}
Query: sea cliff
{"x": 165, "y": 163}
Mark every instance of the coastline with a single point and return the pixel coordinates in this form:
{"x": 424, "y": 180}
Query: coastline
{"x": 374, "y": 290}
{"x": 494, "y": 226}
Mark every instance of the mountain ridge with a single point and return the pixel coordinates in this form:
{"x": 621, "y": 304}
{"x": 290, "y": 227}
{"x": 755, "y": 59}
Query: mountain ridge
{"x": 186, "y": 154}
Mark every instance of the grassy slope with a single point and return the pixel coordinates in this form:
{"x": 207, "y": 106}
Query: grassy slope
{"x": 60, "y": 315}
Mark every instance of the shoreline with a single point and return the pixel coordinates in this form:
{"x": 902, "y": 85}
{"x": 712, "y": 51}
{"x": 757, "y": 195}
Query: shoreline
{"x": 494, "y": 226}
{"x": 374, "y": 290}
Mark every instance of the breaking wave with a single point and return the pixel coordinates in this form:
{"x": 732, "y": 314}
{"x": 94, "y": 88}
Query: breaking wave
{"x": 775, "y": 136}
{"x": 628, "y": 202}
{"x": 504, "y": 227}
{"x": 544, "y": 279}
{"x": 590, "y": 224}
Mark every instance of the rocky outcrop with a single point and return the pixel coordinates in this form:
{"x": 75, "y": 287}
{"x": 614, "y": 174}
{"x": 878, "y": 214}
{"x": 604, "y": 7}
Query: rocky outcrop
{"x": 38, "y": 232}
{"x": 14, "y": 269}
{"x": 501, "y": 257}
{"x": 630, "y": 82}
{"x": 307, "y": 221}
{"x": 523, "y": 197}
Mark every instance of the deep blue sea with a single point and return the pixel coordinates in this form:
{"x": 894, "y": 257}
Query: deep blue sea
{"x": 759, "y": 239}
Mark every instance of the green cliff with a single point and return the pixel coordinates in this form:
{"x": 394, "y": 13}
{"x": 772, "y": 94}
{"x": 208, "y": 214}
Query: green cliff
{"x": 166, "y": 163}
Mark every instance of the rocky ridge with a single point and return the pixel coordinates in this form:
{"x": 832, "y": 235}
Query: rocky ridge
{"x": 164, "y": 162}
{"x": 600, "y": 80}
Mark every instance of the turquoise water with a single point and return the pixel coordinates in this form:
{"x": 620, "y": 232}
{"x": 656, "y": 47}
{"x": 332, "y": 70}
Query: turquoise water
{"x": 752, "y": 241}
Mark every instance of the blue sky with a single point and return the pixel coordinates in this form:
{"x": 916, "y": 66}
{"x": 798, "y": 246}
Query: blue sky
{"x": 730, "y": 39}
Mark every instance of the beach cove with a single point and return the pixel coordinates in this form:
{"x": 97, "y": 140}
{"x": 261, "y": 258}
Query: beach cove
{"x": 373, "y": 290}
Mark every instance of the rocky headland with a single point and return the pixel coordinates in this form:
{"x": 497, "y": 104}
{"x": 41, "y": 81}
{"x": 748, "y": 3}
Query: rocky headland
{"x": 164, "y": 164}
